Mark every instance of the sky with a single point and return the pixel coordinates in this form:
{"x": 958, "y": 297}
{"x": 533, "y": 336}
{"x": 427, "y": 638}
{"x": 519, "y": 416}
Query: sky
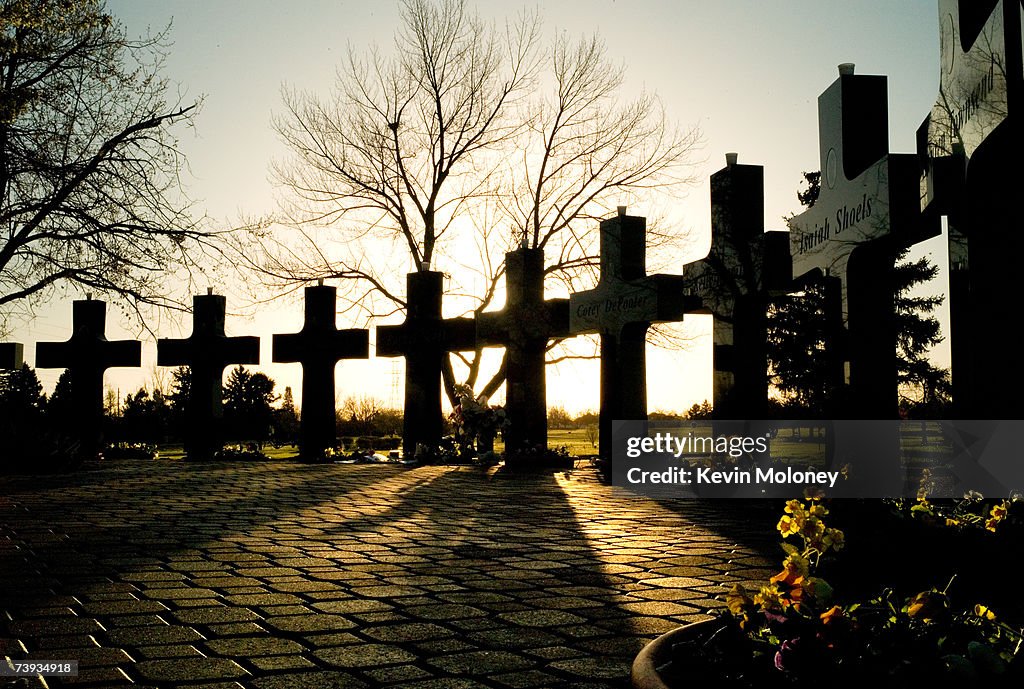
{"x": 747, "y": 72}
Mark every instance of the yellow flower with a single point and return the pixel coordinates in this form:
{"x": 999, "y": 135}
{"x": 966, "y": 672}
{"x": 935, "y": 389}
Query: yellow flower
{"x": 737, "y": 600}
{"x": 927, "y": 606}
{"x": 817, "y": 511}
{"x": 787, "y": 577}
{"x": 797, "y": 564}
{"x": 794, "y": 507}
{"x": 788, "y": 525}
{"x": 831, "y": 615}
{"x": 999, "y": 511}
{"x": 770, "y": 598}
{"x": 984, "y": 612}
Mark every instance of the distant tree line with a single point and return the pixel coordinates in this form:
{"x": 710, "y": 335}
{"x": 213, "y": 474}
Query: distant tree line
{"x": 253, "y": 412}
{"x": 33, "y": 423}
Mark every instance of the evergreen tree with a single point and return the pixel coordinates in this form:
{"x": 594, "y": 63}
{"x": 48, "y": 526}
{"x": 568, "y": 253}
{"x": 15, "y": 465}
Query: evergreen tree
{"x": 248, "y": 414}
{"x": 801, "y": 365}
{"x": 286, "y": 419}
{"x": 21, "y": 393}
{"x": 181, "y": 380}
{"x": 21, "y": 411}
{"x": 924, "y": 388}
{"x": 799, "y": 362}
{"x": 145, "y": 418}
{"x": 59, "y": 409}
{"x": 699, "y": 411}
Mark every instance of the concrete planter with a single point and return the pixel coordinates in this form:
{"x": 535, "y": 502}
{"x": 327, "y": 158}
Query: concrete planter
{"x": 644, "y": 674}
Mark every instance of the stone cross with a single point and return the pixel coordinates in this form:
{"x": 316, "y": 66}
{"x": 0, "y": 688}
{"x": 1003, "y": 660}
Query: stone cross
{"x": 979, "y": 67}
{"x": 207, "y": 352}
{"x": 318, "y": 347}
{"x": 86, "y": 356}
{"x": 12, "y": 355}
{"x": 734, "y": 282}
{"x": 524, "y": 327}
{"x": 621, "y": 308}
{"x": 867, "y": 211}
{"x": 966, "y": 145}
{"x": 424, "y": 339}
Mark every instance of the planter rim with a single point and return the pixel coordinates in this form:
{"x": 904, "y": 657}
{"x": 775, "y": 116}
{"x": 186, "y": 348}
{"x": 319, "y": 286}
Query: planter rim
{"x": 644, "y": 673}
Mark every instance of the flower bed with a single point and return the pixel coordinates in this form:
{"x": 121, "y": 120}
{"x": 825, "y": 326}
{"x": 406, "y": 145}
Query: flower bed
{"x": 796, "y": 629}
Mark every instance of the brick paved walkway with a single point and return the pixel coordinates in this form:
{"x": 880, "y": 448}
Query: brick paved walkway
{"x": 282, "y": 575}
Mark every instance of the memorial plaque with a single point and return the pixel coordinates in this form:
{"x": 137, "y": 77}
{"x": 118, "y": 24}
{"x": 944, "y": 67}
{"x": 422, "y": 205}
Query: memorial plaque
{"x": 87, "y": 355}
{"x": 318, "y": 347}
{"x": 424, "y": 339}
{"x": 524, "y": 327}
{"x": 621, "y": 308}
{"x": 207, "y": 352}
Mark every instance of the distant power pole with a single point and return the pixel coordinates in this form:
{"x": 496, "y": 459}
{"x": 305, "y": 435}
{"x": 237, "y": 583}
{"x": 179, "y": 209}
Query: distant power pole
{"x": 393, "y": 403}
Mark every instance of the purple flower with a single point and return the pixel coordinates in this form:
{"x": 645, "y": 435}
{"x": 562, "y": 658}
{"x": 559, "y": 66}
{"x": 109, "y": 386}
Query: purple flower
{"x": 788, "y": 652}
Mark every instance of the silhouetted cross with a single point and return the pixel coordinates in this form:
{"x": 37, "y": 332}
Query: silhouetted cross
{"x": 621, "y": 308}
{"x": 86, "y": 356}
{"x": 524, "y": 328}
{"x": 207, "y": 352}
{"x": 424, "y": 339}
{"x": 318, "y": 347}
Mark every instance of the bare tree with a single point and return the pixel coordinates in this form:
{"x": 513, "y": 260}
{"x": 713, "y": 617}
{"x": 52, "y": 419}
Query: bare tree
{"x": 429, "y": 151}
{"x": 89, "y": 172}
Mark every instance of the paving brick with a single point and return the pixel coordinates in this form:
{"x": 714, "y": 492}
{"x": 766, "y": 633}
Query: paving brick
{"x": 396, "y": 673}
{"x": 481, "y": 662}
{"x": 423, "y": 578}
{"x": 364, "y": 655}
{"x": 168, "y": 651}
{"x": 594, "y": 668}
{"x": 281, "y": 662}
{"x": 309, "y": 623}
{"x": 181, "y": 670}
{"x": 253, "y": 646}
{"x": 309, "y": 680}
{"x": 149, "y": 636}
{"x": 215, "y": 615}
{"x": 408, "y": 632}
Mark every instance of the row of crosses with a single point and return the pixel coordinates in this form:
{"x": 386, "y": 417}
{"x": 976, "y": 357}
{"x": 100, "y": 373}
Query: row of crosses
{"x": 620, "y": 309}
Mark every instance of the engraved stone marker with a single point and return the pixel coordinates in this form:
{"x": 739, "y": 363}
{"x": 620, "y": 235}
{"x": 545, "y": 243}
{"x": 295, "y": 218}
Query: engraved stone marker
{"x": 621, "y": 308}
{"x": 207, "y": 352}
{"x": 867, "y": 211}
{"x": 733, "y": 283}
{"x": 318, "y": 347}
{"x": 524, "y": 327}
{"x": 87, "y": 355}
{"x": 424, "y": 339}
{"x": 967, "y": 145}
